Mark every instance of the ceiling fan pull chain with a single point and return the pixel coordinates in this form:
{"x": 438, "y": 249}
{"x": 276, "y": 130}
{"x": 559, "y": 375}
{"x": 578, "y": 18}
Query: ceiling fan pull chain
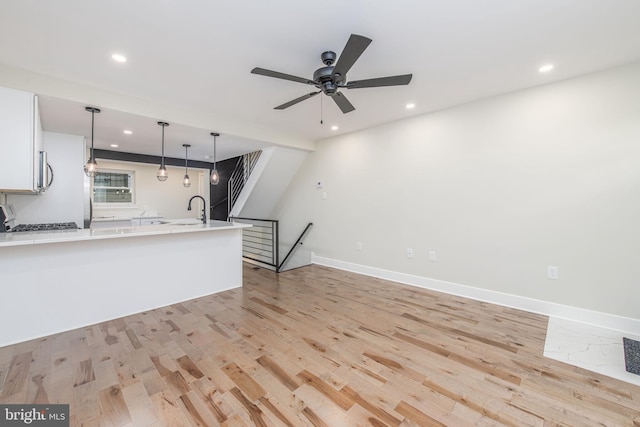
{"x": 321, "y": 122}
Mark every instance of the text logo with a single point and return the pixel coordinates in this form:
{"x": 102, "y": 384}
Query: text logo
{"x": 34, "y": 415}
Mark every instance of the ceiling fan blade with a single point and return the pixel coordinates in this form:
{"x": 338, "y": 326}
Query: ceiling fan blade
{"x": 381, "y": 81}
{"x": 295, "y": 101}
{"x": 278, "y": 75}
{"x": 343, "y": 103}
{"x": 352, "y": 51}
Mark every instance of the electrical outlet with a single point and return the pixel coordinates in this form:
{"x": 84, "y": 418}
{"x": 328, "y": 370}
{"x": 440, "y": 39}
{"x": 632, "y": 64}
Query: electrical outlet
{"x": 552, "y": 272}
{"x": 432, "y": 256}
{"x": 409, "y": 253}
{"x": 359, "y": 246}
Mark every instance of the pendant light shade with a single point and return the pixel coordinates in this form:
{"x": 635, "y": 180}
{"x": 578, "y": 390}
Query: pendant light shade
{"x": 91, "y": 167}
{"x": 186, "y": 181}
{"x": 215, "y": 178}
{"x": 162, "y": 174}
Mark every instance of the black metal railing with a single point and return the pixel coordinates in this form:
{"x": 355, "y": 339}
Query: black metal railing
{"x": 295, "y": 246}
{"x": 240, "y": 176}
{"x": 261, "y": 242}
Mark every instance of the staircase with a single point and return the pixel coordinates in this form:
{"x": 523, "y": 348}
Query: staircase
{"x": 240, "y": 176}
{"x": 260, "y": 179}
{"x": 257, "y": 183}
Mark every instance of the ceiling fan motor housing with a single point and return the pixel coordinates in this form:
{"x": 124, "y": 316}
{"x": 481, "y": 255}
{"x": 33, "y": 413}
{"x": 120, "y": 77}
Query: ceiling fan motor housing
{"x": 328, "y": 57}
{"x": 326, "y": 80}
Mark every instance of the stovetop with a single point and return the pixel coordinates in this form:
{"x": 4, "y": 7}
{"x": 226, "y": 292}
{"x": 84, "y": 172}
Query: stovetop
{"x": 45, "y": 227}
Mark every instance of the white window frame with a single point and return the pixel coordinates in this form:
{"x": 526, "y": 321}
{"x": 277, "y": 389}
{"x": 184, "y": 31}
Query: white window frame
{"x": 131, "y": 188}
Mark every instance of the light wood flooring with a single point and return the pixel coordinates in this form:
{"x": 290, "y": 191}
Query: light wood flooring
{"x": 315, "y": 347}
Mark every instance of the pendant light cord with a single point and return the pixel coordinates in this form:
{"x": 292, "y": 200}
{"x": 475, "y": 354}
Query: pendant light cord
{"x": 93, "y": 113}
{"x": 162, "y": 146}
{"x": 186, "y": 157}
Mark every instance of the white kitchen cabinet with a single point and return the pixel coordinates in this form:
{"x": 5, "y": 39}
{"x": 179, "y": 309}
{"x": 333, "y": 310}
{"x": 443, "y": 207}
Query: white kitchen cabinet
{"x": 20, "y": 141}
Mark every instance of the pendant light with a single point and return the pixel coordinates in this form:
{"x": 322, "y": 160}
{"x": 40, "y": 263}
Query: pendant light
{"x": 186, "y": 181}
{"x": 91, "y": 167}
{"x": 215, "y": 178}
{"x": 162, "y": 174}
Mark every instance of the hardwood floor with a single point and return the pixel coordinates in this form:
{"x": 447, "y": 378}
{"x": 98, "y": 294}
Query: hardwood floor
{"x": 315, "y": 347}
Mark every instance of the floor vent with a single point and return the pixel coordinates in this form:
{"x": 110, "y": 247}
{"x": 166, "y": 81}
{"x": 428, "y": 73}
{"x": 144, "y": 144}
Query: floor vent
{"x": 631, "y": 355}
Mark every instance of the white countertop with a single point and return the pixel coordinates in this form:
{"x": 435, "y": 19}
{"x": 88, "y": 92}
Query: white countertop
{"x": 122, "y": 218}
{"x": 42, "y": 237}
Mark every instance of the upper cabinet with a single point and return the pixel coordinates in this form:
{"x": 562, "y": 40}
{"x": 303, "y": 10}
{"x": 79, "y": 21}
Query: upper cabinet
{"x": 23, "y": 167}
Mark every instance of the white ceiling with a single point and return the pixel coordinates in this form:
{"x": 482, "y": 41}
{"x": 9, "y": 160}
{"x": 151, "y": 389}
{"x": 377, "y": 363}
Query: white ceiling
{"x": 197, "y": 55}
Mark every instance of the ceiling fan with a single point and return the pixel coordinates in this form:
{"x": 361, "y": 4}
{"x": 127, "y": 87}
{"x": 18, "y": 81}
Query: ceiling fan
{"x": 330, "y": 78}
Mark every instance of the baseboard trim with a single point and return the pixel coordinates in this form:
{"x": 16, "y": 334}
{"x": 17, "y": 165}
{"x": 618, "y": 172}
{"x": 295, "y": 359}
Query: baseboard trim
{"x": 576, "y": 314}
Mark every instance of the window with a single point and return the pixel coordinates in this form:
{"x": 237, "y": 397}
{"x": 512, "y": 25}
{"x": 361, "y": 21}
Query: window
{"x": 111, "y": 186}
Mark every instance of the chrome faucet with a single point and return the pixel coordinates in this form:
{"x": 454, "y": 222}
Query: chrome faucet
{"x": 204, "y": 208}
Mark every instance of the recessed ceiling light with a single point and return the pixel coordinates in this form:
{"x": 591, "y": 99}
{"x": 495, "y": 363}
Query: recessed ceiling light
{"x": 113, "y": 145}
{"x": 545, "y": 68}
{"x": 206, "y": 156}
{"x": 410, "y": 106}
{"x": 127, "y": 132}
{"x": 334, "y": 127}
{"x": 119, "y": 58}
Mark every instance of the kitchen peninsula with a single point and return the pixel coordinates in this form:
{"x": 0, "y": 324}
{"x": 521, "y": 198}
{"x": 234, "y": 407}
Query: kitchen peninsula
{"x": 62, "y": 280}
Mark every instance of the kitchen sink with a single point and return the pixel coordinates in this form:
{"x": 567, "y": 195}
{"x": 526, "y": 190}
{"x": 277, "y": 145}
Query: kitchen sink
{"x": 181, "y": 221}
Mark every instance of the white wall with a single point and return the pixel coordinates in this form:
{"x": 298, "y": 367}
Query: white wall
{"x": 168, "y": 199}
{"x": 499, "y": 189}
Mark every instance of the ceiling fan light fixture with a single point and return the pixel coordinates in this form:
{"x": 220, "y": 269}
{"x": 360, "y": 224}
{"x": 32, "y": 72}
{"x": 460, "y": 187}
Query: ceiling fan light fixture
{"x": 162, "y": 173}
{"x": 91, "y": 167}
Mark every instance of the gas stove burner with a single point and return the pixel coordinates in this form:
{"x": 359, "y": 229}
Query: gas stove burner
{"x": 45, "y": 227}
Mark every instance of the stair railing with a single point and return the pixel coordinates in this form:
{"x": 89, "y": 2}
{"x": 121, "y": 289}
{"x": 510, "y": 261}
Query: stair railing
{"x": 240, "y": 176}
{"x": 294, "y": 247}
{"x": 261, "y": 243}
